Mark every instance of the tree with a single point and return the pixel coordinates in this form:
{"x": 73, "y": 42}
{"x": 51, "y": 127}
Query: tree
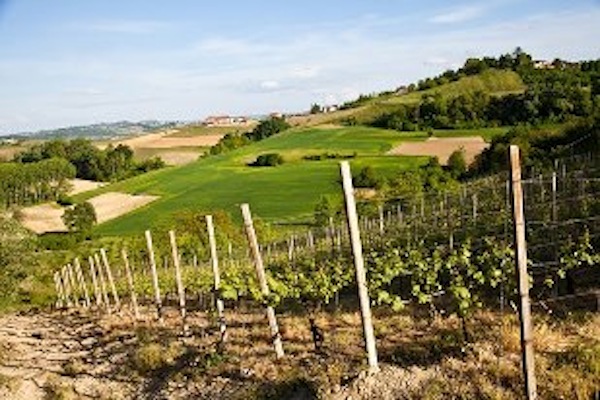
{"x": 325, "y": 210}
{"x": 457, "y": 165}
{"x": 315, "y": 108}
{"x": 80, "y": 218}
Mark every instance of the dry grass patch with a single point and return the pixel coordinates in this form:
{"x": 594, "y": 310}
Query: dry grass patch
{"x": 442, "y": 148}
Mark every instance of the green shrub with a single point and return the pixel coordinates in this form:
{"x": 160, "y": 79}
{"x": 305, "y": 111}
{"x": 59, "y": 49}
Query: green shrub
{"x": 268, "y": 160}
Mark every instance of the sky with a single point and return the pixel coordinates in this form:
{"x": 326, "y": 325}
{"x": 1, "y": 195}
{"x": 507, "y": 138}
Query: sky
{"x": 77, "y": 62}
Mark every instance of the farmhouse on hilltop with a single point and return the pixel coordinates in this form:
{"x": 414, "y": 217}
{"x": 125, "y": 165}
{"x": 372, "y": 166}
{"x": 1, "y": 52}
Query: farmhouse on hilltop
{"x": 226, "y": 120}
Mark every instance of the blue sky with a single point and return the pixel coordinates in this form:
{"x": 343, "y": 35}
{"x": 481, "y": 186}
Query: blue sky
{"x": 70, "y": 62}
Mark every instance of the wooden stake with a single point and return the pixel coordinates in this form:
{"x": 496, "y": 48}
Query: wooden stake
{"x": 82, "y": 283}
{"x": 60, "y": 294}
{"x": 361, "y": 278}
{"x": 180, "y": 287}
{"x": 262, "y": 279}
{"x": 130, "y": 283}
{"x": 73, "y": 286}
{"x": 66, "y": 286}
{"x": 102, "y": 283}
{"x": 158, "y": 300}
{"x": 554, "y": 209}
{"x": 111, "y": 281}
{"x": 522, "y": 276}
{"x": 97, "y": 293}
{"x": 217, "y": 277}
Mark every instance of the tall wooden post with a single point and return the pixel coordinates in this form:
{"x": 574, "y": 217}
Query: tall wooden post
{"x": 522, "y": 276}
{"x": 66, "y": 286}
{"x": 111, "y": 281}
{"x": 130, "y": 283}
{"x": 262, "y": 279}
{"x": 361, "y": 278}
{"x": 73, "y": 285}
{"x": 214, "y": 258}
{"x": 102, "y": 280}
{"x": 158, "y": 300}
{"x": 82, "y": 283}
{"x": 60, "y": 294}
{"x": 97, "y": 293}
{"x": 180, "y": 287}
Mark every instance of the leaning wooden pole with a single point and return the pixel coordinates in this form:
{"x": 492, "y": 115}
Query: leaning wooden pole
{"x": 111, "y": 281}
{"x": 60, "y": 294}
{"x": 262, "y": 279}
{"x": 102, "y": 280}
{"x": 66, "y": 286}
{"x": 97, "y": 293}
{"x": 130, "y": 283}
{"x": 180, "y": 287}
{"x": 158, "y": 300}
{"x": 82, "y": 283}
{"x": 214, "y": 259}
{"x": 73, "y": 285}
{"x": 522, "y": 276}
{"x": 361, "y": 278}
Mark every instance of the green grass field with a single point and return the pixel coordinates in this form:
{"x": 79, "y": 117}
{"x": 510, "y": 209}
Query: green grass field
{"x": 287, "y": 193}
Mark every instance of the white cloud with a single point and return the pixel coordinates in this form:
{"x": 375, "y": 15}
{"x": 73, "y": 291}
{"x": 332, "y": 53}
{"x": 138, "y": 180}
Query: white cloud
{"x": 270, "y": 85}
{"x": 462, "y": 14}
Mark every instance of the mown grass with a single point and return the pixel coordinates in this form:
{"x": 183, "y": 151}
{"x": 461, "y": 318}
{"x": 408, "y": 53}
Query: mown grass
{"x": 286, "y": 193}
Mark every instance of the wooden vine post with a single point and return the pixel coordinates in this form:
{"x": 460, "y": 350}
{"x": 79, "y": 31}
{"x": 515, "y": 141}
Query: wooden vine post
{"x": 159, "y": 315}
{"x": 262, "y": 279}
{"x": 97, "y": 293}
{"x": 82, "y": 283}
{"x": 66, "y": 286}
{"x": 111, "y": 281}
{"x": 60, "y": 294}
{"x": 214, "y": 259}
{"x": 102, "y": 283}
{"x": 361, "y": 278}
{"x": 180, "y": 287}
{"x": 134, "y": 303}
{"x": 522, "y": 276}
{"x": 73, "y": 286}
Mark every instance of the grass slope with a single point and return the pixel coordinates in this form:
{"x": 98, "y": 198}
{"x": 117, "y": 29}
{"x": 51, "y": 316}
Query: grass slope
{"x": 286, "y": 193}
{"x": 494, "y": 82}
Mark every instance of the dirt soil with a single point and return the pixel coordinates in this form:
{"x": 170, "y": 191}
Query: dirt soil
{"x": 113, "y": 204}
{"x": 47, "y": 217}
{"x": 442, "y": 148}
{"x": 163, "y": 140}
{"x": 81, "y": 354}
{"x": 43, "y": 218}
{"x": 82, "y": 185}
{"x": 42, "y": 354}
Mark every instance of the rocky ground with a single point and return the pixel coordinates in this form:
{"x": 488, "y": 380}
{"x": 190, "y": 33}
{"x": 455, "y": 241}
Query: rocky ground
{"x": 85, "y": 355}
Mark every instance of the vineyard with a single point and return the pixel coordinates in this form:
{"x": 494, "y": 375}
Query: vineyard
{"x": 442, "y": 256}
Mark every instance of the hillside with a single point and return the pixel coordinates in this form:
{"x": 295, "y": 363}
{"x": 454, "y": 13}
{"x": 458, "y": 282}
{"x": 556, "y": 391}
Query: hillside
{"x": 284, "y": 193}
{"x": 99, "y": 131}
{"x": 494, "y": 82}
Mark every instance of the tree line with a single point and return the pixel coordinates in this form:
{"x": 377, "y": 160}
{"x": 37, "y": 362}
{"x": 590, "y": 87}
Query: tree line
{"x": 111, "y": 164}
{"x": 31, "y": 183}
{"x": 263, "y": 130}
{"x": 556, "y": 93}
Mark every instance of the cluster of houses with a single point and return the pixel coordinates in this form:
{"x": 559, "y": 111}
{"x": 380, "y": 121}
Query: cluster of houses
{"x": 226, "y": 120}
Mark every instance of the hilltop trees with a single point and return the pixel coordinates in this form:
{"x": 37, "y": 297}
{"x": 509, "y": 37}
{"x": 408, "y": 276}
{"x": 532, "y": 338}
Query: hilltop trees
{"x": 263, "y": 130}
